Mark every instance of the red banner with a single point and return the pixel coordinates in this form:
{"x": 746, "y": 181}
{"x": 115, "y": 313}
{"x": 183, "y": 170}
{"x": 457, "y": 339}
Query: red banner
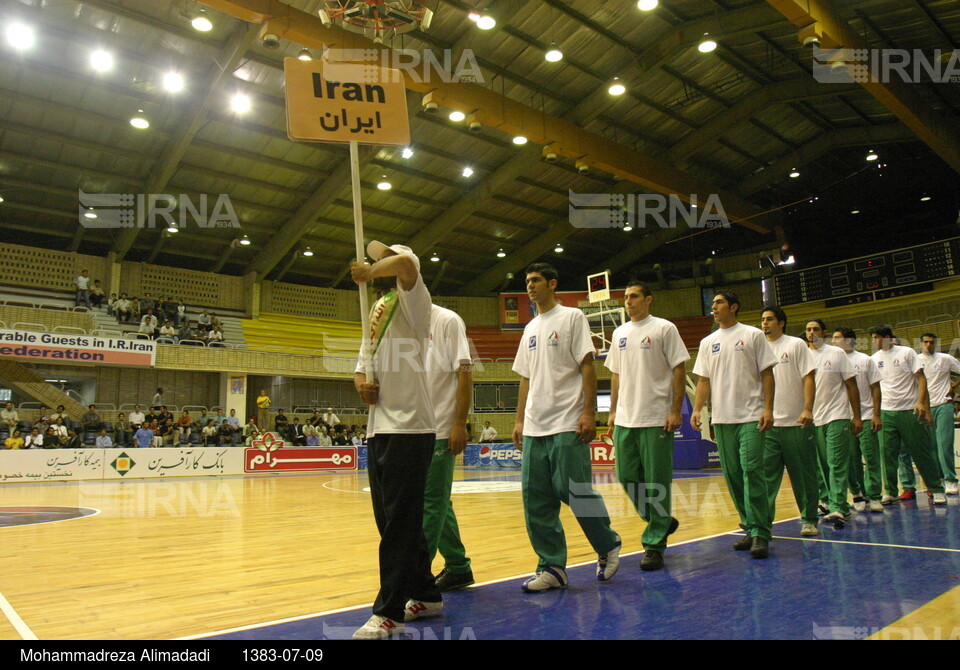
{"x": 270, "y": 455}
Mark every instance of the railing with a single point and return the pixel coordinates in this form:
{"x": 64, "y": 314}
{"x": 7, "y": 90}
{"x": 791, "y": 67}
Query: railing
{"x": 36, "y": 326}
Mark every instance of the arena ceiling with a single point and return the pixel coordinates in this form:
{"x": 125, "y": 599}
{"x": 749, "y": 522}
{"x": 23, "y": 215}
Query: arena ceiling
{"x": 734, "y": 122}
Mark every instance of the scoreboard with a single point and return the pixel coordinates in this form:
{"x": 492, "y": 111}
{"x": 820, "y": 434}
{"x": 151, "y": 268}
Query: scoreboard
{"x": 871, "y": 277}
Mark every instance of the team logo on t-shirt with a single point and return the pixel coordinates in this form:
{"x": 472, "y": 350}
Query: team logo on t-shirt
{"x": 715, "y": 349}
{"x": 827, "y": 365}
{"x": 554, "y": 339}
{"x": 880, "y": 364}
{"x": 623, "y": 343}
{"x": 646, "y": 343}
{"x": 532, "y": 344}
{"x": 896, "y": 362}
{"x": 785, "y": 358}
{"x": 740, "y": 346}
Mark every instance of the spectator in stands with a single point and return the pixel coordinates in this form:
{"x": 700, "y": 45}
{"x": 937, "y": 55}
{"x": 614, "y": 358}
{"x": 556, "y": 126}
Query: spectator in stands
{"x": 103, "y": 440}
{"x": 91, "y": 420}
{"x": 123, "y": 430}
{"x": 165, "y": 415}
{"x": 311, "y": 434}
{"x": 355, "y": 440}
{"x": 157, "y": 398}
{"x": 233, "y": 419}
{"x": 281, "y": 423}
{"x": 251, "y": 432}
{"x": 210, "y": 433}
{"x": 144, "y": 436}
{"x": 43, "y": 417}
{"x": 60, "y": 428}
{"x": 149, "y": 325}
{"x": 61, "y": 413}
{"x": 50, "y": 439}
{"x": 296, "y": 433}
{"x": 263, "y": 404}
{"x": 168, "y": 431}
{"x": 324, "y": 439}
{"x": 8, "y": 416}
{"x": 215, "y": 321}
{"x": 82, "y": 283}
{"x": 111, "y": 305}
{"x": 489, "y": 433}
{"x": 316, "y": 420}
{"x": 34, "y": 439}
{"x": 330, "y": 418}
{"x": 339, "y": 440}
{"x": 169, "y": 332}
{"x": 215, "y": 337}
{"x": 227, "y": 433}
{"x": 157, "y": 429}
{"x": 136, "y": 417}
{"x": 203, "y": 322}
{"x": 153, "y": 414}
{"x": 148, "y": 303}
{"x": 219, "y": 418}
{"x": 171, "y": 311}
{"x": 14, "y": 441}
{"x": 184, "y": 424}
{"x": 122, "y": 308}
{"x": 72, "y": 440}
{"x": 96, "y": 294}
{"x": 135, "y": 309}
{"x": 187, "y": 334}
{"x": 201, "y": 420}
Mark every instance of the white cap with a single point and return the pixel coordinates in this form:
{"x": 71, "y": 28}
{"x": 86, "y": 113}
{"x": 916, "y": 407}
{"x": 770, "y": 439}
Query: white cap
{"x": 376, "y": 251}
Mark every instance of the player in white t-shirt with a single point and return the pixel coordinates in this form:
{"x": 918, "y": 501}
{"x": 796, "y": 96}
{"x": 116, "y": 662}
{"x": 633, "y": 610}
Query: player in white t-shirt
{"x": 938, "y": 368}
{"x": 791, "y": 442}
{"x": 556, "y": 421}
{"x": 401, "y": 432}
{"x": 905, "y": 411}
{"x": 450, "y": 378}
{"x": 734, "y": 364}
{"x": 864, "y": 447}
{"x": 836, "y": 415}
{"x": 648, "y": 384}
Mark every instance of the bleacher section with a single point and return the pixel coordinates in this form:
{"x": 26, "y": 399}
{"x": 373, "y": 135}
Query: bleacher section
{"x": 300, "y": 334}
{"x": 491, "y": 344}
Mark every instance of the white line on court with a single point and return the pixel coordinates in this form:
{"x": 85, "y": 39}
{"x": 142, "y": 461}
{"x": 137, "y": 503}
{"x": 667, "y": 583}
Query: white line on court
{"x": 866, "y": 544}
{"x": 22, "y": 628}
{"x": 301, "y": 617}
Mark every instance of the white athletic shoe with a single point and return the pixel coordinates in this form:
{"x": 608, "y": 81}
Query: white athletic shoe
{"x": 417, "y": 609}
{"x": 860, "y": 504}
{"x": 609, "y": 563}
{"x": 547, "y": 579}
{"x": 876, "y": 506}
{"x": 378, "y": 628}
{"x": 953, "y": 488}
{"x": 890, "y": 500}
{"x": 809, "y": 530}
{"x": 939, "y": 499}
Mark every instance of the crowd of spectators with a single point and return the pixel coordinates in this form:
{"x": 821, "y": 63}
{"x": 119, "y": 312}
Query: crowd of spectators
{"x": 159, "y": 427}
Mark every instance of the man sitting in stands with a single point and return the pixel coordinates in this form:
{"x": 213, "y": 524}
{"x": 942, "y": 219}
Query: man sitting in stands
{"x": 168, "y": 331}
{"x": 8, "y": 416}
{"x": 144, "y": 436}
{"x": 324, "y": 439}
{"x": 103, "y": 440}
{"x": 202, "y": 420}
{"x": 14, "y": 441}
{"x": 61, "y": 413}
{"x": 183, "y": 425}
{"x": 34, "y": 439}
{"x": 71, "y": 441}
{"x": 330, "y": 418}
{"x": 122, "y": 308}
{"x": 136, "y": 416}
{"x": 215, "y": 337}
{"x": 43, "y": 418}
{"x": 111, "y": 302}
{"x": 280, "y": 424}
{"x": 296, "y": 433}
{"x": 311, "y": 433}
{"x": 135, "y": 309}
{"x": 60, "y": 428}
{"x": 204, "y": 321}
{"x": 148, "y": 325}
{"x": 227, "y": 433}
{"x": 91, "y": 420}
{"x": 50, "y": 439}
{"x": 251, "y": 432}
{"x": 340, "y": 440}
{"x": 123, "y": 430}
{"x": 147, "y": 304}
{"x": 96, "y": 294}
{"x": 156, "y": 429}
{"x": 210, "y": 434}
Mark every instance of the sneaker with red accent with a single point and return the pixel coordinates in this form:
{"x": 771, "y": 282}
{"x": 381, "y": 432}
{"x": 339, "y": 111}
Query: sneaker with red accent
{"x": 378, "y": 628}
{"x": 908, "y": 494}
{"x": 417, "y": 609}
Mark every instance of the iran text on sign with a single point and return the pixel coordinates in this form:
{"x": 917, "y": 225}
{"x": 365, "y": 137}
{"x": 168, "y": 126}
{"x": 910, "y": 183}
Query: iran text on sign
{"x": 345, "y": 102}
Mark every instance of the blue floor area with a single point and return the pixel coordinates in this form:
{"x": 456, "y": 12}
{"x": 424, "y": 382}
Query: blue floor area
{"x": 600, "y": 476}
{"x": 843, "y": 584}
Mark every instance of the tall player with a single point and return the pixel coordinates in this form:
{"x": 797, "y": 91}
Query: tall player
{"x": 937, "y": 367}
{"x": 791, "y": 442}
{"x": 905, "y": 410}
{"x": 865, "y": 447}
{"x": 836, "y": 415}
{"x": 556, "y": 421}
{"x": 647, "y": 388}
{"x": 402, "y": 433}
{"x": 734, "y": 364}
{"x": 451, "y": 386}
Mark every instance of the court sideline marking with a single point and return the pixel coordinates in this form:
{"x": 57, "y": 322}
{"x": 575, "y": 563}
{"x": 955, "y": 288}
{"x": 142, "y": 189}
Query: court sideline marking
{"x": 18, "y": 624}
{"x": 866, "y": 544}
{"x": 474, "y": 586}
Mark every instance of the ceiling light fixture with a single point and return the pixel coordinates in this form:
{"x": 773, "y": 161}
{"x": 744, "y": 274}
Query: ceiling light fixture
{"x": 172, "y": 228}
{"x": 468, "y": 172}
{"x": 501, "y": 253}
{"x": 872, "y": 155}
{"x": 855, "y": 211}
{"x": 245, "y": 240}
{"x": 305, "y": 55}
{"x": 795, "y": 173}
{"x": 384, "y": 185}
{"x": 925, "y": 198}
{"x": 308, "y": 252}
{"x": 707, "y": 44}
{"x": 173, "y": 82}
{"x": 457, "y": 116}
{"x": 558, "y": 249}
{"x": 434, "y": 258}
{"x": 201, "y": 22}
{"x": 616, "y": 87}
{"x": 101, "y": 61}
{"x": 139, "y": 122}
{"x": 647, "y": 5}
{"x": 554, "y": 54}
{"x": 90, "y": 214}
{"x": 240, "y": 103}
{"x": 407, "y": 152}
{"x": 519, "y": 140}
{"x": 20, "y": 36}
